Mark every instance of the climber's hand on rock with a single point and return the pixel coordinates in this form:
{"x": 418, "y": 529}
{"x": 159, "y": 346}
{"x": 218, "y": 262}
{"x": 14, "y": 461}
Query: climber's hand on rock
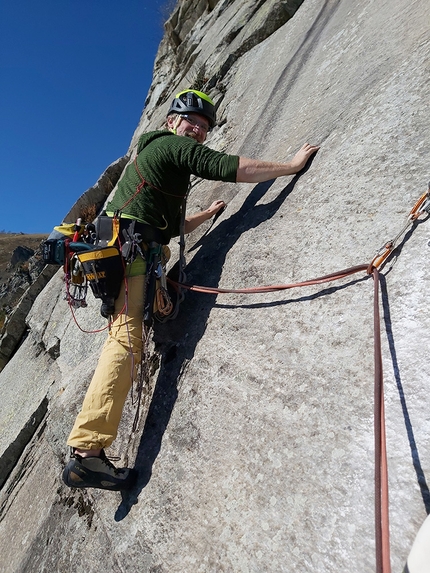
{"x": 215, "y": 207}
{"x": 302, "y": 156}
{"x": 193, "y": 221}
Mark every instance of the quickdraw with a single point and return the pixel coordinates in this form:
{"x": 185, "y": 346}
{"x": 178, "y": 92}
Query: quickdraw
{"x": 76, "y": 282}
{"x": 421, "y": 206}
{"x": 157, "y": 299}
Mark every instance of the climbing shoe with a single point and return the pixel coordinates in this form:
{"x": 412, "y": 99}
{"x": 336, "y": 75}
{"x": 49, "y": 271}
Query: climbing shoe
{"x": 98, "y": 472}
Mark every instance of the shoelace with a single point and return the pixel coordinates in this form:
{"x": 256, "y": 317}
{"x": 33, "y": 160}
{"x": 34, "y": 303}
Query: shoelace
{"x": 109, "y": 464}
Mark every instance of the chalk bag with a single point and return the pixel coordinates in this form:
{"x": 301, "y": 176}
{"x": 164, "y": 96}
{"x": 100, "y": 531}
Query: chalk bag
{"x": 104, "y": 271}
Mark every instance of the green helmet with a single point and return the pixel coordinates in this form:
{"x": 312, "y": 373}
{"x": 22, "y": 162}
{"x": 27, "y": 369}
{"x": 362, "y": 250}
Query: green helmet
{"x": 192, "y": 101}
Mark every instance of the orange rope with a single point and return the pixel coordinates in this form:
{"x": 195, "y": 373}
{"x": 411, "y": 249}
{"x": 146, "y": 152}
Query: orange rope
{"x": 271, "y": 288}
{"x": 382, "y": 534}
{"x": 382, "y": 529}
{"x": 93, "y": 331}
{"x": 69, "y": 300}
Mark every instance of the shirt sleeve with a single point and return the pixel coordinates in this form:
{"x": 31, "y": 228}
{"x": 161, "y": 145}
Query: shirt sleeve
{"x": 202, "y": 161}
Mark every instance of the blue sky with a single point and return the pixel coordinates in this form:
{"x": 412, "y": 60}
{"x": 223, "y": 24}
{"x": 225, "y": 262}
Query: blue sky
{"x": 74, "y": 75}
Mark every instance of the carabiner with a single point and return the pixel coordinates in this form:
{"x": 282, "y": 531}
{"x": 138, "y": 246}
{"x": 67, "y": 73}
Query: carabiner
{"x": 421, "y": 206}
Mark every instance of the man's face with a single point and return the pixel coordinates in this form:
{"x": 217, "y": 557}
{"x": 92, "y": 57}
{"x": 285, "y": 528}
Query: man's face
{"x": 191, "y": 125}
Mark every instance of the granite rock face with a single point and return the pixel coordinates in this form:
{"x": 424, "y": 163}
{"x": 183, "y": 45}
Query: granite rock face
{"x": 203, "y": 39}
{"x": 255, "y": 441}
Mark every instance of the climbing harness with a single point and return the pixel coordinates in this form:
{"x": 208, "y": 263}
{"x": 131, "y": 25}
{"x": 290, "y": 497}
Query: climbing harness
{"x": 179, "y": 291}
{"x": 158, "y": 304}
{"x": 154, "y": 271}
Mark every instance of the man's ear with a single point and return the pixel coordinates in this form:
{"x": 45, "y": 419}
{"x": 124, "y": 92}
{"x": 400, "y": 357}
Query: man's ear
{"x": 172, "y": 123}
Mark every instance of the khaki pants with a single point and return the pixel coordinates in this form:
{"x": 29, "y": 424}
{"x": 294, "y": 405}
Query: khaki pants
{"x": 97, "y": 424}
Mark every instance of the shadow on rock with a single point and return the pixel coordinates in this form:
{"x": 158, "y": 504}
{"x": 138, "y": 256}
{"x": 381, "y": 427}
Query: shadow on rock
{"x": 177, "y": 340}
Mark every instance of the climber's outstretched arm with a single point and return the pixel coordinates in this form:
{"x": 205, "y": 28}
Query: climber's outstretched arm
{"x": 256, "y": 171}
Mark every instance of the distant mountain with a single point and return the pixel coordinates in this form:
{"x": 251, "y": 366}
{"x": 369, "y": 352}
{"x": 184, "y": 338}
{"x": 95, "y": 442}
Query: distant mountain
{"x": 20, "y": 265}
{"x": 9, "y": 242}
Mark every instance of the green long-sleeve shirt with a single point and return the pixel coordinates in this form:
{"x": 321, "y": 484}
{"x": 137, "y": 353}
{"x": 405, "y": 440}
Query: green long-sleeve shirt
{"x": 166, "y": 162}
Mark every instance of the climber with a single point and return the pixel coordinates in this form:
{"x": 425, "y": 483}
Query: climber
{"x": 151, "y": 192}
